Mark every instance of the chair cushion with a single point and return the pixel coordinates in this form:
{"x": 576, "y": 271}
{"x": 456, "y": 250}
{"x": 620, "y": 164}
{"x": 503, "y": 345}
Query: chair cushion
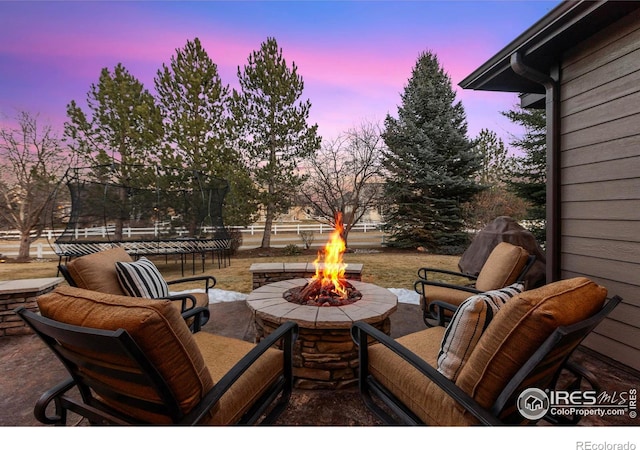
{"x": 467, "y": 325}
{"x": 413, "y": 389}
{"x": 157, "y": 328}
{"x": 202, "y": 299}
{"x": 520, "y": 327}
{"x": 502, "y": 267}
{"x": 448, "y": 295}
{"x": 141, "y": 279}
{"x": 220, "y": 354}
{"x": 97, "y": 271}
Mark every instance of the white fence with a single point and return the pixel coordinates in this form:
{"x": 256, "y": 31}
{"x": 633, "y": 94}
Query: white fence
{"x": 313, "y": 228}
{"x": 37, "y": 250}
{"x": 9, "y": 246}
{"x": 158, "y": 231}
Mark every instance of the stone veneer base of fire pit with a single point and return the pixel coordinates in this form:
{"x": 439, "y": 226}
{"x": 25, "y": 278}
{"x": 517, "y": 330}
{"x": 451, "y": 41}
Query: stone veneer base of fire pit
{"x": 325, "y": 356}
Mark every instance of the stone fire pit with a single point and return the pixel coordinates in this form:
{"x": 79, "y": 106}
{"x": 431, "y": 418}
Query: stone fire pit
{"x": 325, "y": 356}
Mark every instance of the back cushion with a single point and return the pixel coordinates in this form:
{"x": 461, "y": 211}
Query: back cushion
{"x": 502, "y": 267}
{"x": 155, "y": 325}
{"x": 470, "y": 320}
{"x": 97, "y": 271}
{"x": 141, "y": 279}
{"x": 520, "y": 327}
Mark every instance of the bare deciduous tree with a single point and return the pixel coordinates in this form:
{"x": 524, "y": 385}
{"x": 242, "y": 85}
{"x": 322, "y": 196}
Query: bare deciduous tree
{"x": 345, "y": 176}
{"x": 31, "y": 159}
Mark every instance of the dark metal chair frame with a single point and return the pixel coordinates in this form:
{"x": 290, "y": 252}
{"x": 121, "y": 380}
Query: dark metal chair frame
{"x": 431, "y": 312}
{"x": 555, "y": 351}
{"x": 71, "y": 344}
{"x": 188, "y": 307}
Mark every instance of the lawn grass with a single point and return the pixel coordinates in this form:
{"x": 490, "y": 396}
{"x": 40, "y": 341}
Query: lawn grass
{"x": 384, "y": 267}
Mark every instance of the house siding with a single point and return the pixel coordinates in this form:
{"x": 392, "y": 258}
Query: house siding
{"x": 600, "y": 178}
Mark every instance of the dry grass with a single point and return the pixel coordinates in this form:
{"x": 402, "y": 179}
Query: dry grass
{"x": 387, "y": 268}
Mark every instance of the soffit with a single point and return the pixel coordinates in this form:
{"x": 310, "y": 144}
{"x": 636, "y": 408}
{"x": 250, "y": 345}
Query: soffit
{"x": 543, "y": 44}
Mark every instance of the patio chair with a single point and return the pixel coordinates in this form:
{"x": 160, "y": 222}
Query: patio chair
{"x": 506, "y": 264}
{"x": 100, "y": 272}
{"x": 526, "y": 345}
{"x": 136, "y": 362}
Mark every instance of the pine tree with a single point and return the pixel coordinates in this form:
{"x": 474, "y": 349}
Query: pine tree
{"x": 194, "y": 105}
{"x": 495, "y": 169}
{"x": 123, "y": 132}
{"x": 494, "y": 159}
{"x": 528, "y": 179}
{"x": 196, "y": 110}
{"x": 124, "y": 125}
{"x": 430, "y": 163}
{"x": 273, "y": 129}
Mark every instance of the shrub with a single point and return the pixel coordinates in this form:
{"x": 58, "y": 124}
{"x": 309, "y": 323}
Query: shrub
{"x": 236, "y": 239}
{"x": 292, "y": 250}
{"x": 307, "y": 238}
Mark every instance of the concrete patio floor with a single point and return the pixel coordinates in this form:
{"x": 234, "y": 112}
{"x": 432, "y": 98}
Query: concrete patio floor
{"x": 28, "y": 368}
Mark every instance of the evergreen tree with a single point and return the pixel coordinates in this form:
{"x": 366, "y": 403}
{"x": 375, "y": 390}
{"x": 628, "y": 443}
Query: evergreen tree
{"x": 123, "y": 132}
{"x": 124, "y": 125}
{"x": 528, "y": 179}
{"x": 494, "y": 159}
{"x": 273, "y": 129}
{"x": 196, "y": 109}
{"x": 193, "y": 101}
{"x": 430, "y": 163}
{"x": 495, "y": 169}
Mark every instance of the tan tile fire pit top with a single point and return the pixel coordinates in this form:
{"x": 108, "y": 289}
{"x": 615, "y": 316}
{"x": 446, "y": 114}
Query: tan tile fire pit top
{"x": 376, "y": 305}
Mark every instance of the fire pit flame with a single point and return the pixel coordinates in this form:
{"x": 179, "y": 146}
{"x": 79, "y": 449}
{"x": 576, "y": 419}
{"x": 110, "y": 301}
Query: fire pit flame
{"x": 332, "y": 272}
{"x": 328, "y": 287}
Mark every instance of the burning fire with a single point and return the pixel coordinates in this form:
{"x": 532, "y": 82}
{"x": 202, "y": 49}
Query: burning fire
{"x": 328, "y": 287}
{"x": 332, "y": 271}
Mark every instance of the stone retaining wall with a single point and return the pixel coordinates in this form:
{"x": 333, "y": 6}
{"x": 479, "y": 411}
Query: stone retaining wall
{"x": 16, "y": 293}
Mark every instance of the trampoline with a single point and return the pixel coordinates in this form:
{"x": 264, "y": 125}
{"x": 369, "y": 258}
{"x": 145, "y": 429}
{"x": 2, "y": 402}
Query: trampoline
{"x": 147, "y": 210}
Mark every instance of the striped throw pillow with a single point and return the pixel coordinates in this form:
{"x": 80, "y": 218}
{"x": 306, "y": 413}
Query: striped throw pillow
{"x": 467, "y": 325}
{"x": 141, "y": 278}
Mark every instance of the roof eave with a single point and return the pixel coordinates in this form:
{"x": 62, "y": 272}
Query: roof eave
{"x": 542, "y": 44}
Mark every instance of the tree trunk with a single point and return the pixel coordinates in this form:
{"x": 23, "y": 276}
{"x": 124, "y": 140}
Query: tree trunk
{"x": 25, "y": 246}
{"x": 268, "y": 221}
{"x": 347, "y": 224}
{"x": 118, "y": 221}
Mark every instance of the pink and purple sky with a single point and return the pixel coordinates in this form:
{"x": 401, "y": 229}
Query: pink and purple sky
{"x": 355, "y": 57}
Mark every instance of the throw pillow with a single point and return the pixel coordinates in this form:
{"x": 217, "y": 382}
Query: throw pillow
{"x": 141, "y": 278}
{"x": 467, "y": 325}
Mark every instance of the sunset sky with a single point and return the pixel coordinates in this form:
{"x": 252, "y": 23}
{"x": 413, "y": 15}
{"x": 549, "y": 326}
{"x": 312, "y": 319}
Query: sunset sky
{"x": 355, "y": 57}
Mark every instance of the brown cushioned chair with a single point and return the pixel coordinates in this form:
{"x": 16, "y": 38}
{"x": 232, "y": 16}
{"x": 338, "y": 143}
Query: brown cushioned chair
{"x": 506, "y": 264}
{"x": 526, "y": 345}
{"x": 97, "y": 272}
{"x": 134, "y": 361}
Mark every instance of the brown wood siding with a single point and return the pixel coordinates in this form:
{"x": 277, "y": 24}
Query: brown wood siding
{"x": 600, "y": 182}
{"x": 599, "y": 229}
{"x": 610, "y": 190}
